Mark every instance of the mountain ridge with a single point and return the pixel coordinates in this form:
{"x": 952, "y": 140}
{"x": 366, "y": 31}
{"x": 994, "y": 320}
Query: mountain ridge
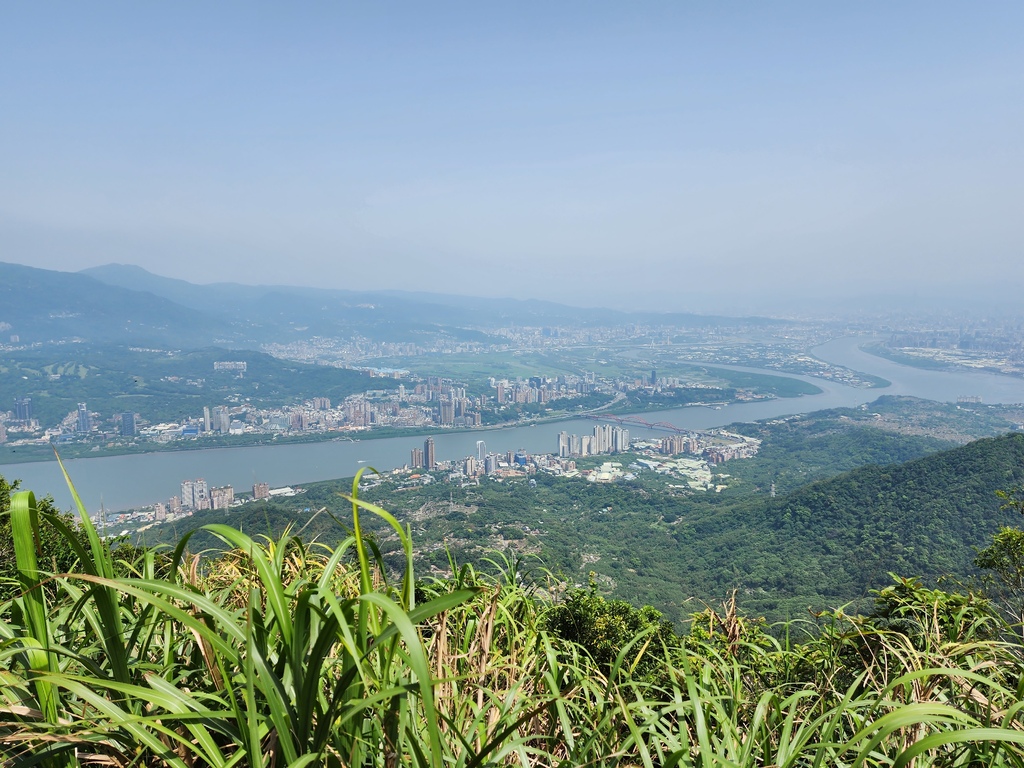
{"x": 46, "y": 305}
{"x": 127, "y": 304}
{"x": 132, "y": 276}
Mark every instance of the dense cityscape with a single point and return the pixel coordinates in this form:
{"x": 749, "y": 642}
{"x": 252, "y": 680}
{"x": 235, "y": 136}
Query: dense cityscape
{"x": 424, "y": 400}
{"x": 430, "y": 402}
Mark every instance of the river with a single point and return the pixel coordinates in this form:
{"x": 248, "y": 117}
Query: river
{"x": 123, "y": 482}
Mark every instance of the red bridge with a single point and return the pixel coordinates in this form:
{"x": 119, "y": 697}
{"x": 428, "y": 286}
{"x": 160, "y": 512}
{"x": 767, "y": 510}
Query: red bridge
{"x": 623, "y": 420}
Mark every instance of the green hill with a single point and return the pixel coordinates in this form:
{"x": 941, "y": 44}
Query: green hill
{"x": 823, "y": 544}
{"x": 40, "y": 305}
{"x": 164, "y": 386}
{"x": 395, "y": 307}
{"x": 831, "y": 541}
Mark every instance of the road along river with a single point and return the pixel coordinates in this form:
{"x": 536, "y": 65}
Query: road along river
{"x": 122, "y": 482}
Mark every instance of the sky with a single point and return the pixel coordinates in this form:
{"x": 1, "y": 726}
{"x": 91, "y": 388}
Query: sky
{"x": 706, "y": 156}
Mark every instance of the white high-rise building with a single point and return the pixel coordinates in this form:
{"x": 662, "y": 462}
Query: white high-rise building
{"x": 84, "y": 422}
{"x": 620, "y": 440}
{"x": 221, "y": 419}
{"x": 602, "y": 438}
{"x": 564, "y": 445}
{"x": 195, "y": 494}
{"x": 429, "y": 459}
{"x": 222, "y": 498}
{"x": 575, "y": 445}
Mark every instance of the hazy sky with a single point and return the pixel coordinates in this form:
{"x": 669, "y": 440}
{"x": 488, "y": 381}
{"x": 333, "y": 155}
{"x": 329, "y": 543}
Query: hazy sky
{"x": 680, "y": 154}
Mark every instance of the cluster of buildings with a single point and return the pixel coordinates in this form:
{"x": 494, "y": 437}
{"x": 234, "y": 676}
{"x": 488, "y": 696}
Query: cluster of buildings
{"x": 689, "y": 456}
{"x": 605, "y": 439}
{"x": 196, "y": 495}
{"x": 77, "y": 424}
{"x": 541, "y": 389}
{"x": 348, "y": 352}
{"x": 83, "y": 421}
{"x": 344, "y": 352}
{"x": 483, "y": 463}
{"x": 433, "y": 402}
{"x": 1003, "y": 337}
{"x": 737, "y": 447}
{"x": 988, "y": 346}
{"x": 20, "y": 419}
{"x": 716, "y": 446}
{"x": 676, "y": 444}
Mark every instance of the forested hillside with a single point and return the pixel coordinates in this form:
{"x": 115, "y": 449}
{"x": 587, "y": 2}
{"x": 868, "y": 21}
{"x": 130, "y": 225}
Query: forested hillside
{"x": 823, "y": 544}
{"x": 835, "y": 539}
{"x": 39, "y": 305}
{"x": 164, "y": 385}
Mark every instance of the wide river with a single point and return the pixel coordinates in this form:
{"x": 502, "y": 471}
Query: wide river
{"x": 123, "y": 482}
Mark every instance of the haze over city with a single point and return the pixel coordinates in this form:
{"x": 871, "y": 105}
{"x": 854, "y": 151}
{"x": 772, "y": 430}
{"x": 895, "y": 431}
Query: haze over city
{"x": 707, "y": 157}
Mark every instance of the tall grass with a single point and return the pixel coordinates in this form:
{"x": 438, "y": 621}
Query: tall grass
{"x": 285, "y": 653}
{"x": 291, "y": 663}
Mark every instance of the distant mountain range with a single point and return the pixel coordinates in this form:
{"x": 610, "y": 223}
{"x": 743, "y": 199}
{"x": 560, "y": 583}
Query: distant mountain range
{"x": 44, "y": 305}
{"x": 126, "y": 304}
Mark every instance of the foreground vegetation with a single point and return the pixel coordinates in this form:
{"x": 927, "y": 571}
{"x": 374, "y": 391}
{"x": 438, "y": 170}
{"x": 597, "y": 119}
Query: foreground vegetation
{"x": 280, "y": 652}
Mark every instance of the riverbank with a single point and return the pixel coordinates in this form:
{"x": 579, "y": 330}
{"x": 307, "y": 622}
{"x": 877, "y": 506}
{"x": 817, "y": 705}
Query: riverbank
{"x": 129, "y": 481}
{"x": 952, "y": 361}
{"x": 27, "y": 454}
